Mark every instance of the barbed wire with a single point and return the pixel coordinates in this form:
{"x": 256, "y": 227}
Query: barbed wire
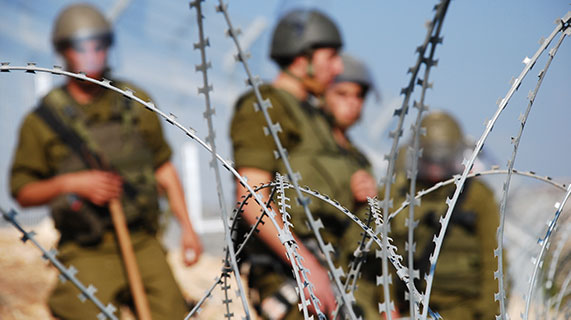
{"x": 551, "y": 303}
{"x": 538, "y": 262}
{"x": 556, "y": 255}
{"x": 208, "y": 294}
{"x": 226, "y": 287}
{"x": 288, "y": 236}
{"x": 441, "y": 184}
{"x": 272, "y": 129}
{"x": 241, "y": 245}
{"x": 500, "y": 296}
{"x": 432, "y": 37}
{"x": 529, "y": 174}
{"x": 281, "y": 153}
{"x": 107, "y": 312}
{"x": 393, "y": 257}
{"x": 201, "y": 45}
{"x": 171, "y": 119}
{"x": 468, "y": 164}
{"x": 382, "y": 217}
{"x": 415, "y": 152}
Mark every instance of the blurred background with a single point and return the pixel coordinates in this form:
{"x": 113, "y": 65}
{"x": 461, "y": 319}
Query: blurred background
{"x": 484, "y": 45}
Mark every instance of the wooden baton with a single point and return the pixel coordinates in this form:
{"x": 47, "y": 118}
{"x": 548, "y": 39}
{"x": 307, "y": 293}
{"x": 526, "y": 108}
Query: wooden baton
{"x": 129, "y": 260}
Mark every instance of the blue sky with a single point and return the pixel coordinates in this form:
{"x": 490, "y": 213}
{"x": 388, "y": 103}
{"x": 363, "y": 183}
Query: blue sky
{"x": 484, "y": 44}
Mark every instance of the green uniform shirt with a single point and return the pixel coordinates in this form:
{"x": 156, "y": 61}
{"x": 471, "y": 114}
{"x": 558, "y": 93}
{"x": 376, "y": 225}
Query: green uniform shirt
{"x": 464, "y": 275}
{"x": 251, "y": 147}
{"x": 313, "y": 152}
{"x": 39, "y": 149}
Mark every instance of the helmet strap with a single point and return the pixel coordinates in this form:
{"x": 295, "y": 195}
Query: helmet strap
{"x": 310, "y": 70}
{"x": 313, "y": 86}
{"x": 308, "y": 80}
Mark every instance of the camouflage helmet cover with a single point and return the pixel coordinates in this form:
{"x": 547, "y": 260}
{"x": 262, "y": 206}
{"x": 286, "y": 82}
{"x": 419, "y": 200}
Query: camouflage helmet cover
{"x": 302, "y": 30}
{"x": 77, "y": 22}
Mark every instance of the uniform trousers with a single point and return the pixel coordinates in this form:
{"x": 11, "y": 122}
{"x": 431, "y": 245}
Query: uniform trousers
{"x": 101, "y": 265}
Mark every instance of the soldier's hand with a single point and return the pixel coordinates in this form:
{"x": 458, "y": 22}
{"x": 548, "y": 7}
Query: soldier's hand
{"x": 191, "y": 247}
{"x": 97, "y": 186}
{"x": 363, "y": 185}
{"x": 322, "y": 287}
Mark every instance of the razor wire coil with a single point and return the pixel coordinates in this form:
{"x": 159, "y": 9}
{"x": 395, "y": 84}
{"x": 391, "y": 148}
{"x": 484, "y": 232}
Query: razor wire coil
{"x": 380, "y": 209}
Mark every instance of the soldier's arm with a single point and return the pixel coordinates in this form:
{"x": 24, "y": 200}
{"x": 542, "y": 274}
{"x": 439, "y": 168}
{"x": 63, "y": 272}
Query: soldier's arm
{"x": 268, "y": 234}
{"x": 167, "y": 178}
{"x": 363, "y": 186}
{"x": 97, "y": 186}
{"x": 31, "y": 179}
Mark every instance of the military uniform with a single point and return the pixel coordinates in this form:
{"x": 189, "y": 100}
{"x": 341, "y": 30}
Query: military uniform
{"x": 323, "y": 165}
{"x": 464, "y": 284}
{"x": 130, "y": 140}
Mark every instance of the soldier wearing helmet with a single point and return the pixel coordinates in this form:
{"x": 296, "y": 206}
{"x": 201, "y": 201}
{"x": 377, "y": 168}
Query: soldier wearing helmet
{"x": 344, "y": 102}
{"x": 305, "y": 46}
{"x": 345, "y": 97}
{"x": 464, "y": 284}
{"x": 82, "y": 36}
{"x": 442, "y": 148}
{"x": 84, "y": 146}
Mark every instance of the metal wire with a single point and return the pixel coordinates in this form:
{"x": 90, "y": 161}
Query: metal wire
{"x": 211, "y": 140}
{"x": 468, "y": 164}
{"x": 273, "y": 129}
{"x": 172, "y": 119}
{"x": 107, "y": 312}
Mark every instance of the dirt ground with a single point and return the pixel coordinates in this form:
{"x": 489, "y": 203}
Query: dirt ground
{"x": 26, "y": 278}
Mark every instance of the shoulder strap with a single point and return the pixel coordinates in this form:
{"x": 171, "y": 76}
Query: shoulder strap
{"x": 321, "y": 131}
{"x": 69, "y": 137}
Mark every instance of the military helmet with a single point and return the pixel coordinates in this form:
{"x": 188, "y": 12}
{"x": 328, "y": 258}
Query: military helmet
{"x": 78, "y": 22}
{"x": 444, "y": 140}
{"x": 302, "y": 30}
{"x": 355, "y": 71}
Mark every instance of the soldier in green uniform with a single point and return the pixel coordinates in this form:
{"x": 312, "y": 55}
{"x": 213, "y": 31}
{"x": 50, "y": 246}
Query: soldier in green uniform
{"x": 464, "y": 284}
{"x": 305, "y": 46}
{"x": 344, "y": 102}
{"x": 51, "y": 166}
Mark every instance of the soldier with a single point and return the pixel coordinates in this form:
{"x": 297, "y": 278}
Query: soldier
{"x": 305, "y": 46}
{"x": 344, "y": 102}
{"x": 464, "y": 285}
{"x": 81, "y": 148}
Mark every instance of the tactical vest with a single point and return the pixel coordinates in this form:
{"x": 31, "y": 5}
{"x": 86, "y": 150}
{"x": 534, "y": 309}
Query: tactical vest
{"x": 458, "y": 271}
{"x": 121, "y": 145}
{"x": 324, "y": 167}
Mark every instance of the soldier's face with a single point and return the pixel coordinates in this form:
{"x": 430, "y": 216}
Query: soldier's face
{"x": 88, "y": 56}
{"x": 344, "y": 101}
{"x": 326, "y": 64}
{"x": 433, "y": 172}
